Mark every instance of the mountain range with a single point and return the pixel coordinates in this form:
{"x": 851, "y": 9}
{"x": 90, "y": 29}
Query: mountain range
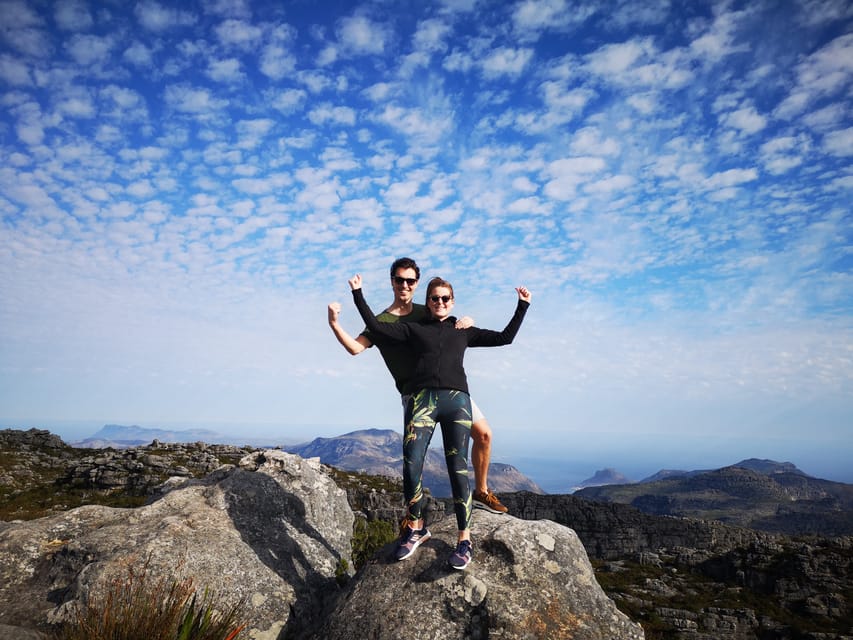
{"x": 118, "y": 436}
{"x": 760, "y": 494}
{"x": 379, "y": 452}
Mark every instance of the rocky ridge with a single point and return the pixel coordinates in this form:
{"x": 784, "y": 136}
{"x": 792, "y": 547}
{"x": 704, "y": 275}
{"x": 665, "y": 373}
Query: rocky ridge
{"x": 782, "y": 501}
{"x": 274, "y": 531}
{"x": 689, "y": 579}
{"x": 682, "y": 578}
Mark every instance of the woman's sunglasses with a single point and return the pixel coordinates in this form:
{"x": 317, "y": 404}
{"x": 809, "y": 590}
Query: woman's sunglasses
{"x": 444, "y": 299}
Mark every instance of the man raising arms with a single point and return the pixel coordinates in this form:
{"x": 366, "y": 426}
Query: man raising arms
{"x": 399, "y": 359}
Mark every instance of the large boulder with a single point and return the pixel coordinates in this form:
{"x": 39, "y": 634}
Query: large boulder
{"x": 528, "y": 580}
{"x": 274, "y": 531}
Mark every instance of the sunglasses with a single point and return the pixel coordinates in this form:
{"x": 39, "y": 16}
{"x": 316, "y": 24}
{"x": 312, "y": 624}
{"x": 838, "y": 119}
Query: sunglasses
{"x": 444, "y": 299}
{"x": 409, "y": 281}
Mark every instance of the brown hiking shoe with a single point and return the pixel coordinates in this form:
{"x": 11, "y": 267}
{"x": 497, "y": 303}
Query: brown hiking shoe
{"x": 488, "y": 501}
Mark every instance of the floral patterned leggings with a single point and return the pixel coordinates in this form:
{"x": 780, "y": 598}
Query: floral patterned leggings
{"x": 452, "y": 409}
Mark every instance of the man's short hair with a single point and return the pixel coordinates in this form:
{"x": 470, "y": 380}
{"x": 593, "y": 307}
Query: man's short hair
{"x": 405, "y": 263}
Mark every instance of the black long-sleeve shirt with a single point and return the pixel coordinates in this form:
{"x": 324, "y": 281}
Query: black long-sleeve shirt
{"x": 440, "y": 346}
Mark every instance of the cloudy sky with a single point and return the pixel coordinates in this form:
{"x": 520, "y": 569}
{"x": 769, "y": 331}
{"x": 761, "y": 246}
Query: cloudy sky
{"x": 184, "y": 187}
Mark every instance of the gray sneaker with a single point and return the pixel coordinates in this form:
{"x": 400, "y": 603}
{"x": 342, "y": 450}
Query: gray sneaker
{"x": 410, "y": 541}
{"x": 461, "y": 558}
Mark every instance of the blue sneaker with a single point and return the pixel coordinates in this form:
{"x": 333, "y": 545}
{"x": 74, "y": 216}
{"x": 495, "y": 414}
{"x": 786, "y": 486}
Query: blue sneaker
{"x": 410, "y": 541}
{"x": 461, "y": 558}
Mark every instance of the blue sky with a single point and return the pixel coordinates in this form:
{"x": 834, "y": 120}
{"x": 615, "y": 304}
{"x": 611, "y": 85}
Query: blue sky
{"x": 184, "y": 187}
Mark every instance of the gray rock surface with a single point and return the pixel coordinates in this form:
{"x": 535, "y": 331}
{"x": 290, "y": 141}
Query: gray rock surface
{"x": 528, "y": 580}
{"x": 273, "y": 530}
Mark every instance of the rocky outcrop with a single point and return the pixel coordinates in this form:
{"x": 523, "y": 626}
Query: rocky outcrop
{"x": 610, "y": 530}
{"x": 685, "y": 579}
{"x": 527, "y": 580}
{"x": 703, "y": 580}
{"x": 274, "y": 531}
{"x": 138, "y": 470}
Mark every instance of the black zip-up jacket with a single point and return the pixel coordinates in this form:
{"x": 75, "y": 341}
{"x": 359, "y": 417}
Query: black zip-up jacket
{"x": 440, "y": 346}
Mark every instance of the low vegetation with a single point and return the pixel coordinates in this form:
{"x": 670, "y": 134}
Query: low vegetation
{"x": 139, "y": 607}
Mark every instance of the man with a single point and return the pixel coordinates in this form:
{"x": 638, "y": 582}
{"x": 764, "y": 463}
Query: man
{"x": 399, "y": 359}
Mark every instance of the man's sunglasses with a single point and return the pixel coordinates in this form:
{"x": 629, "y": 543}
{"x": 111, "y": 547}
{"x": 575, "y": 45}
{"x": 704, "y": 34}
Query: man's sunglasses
{"x": 444, "y": 299}
{"x": 409, "y": 281}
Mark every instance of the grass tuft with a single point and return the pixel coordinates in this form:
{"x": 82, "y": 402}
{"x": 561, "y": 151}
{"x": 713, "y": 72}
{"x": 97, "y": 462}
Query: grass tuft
{"x": 138, "y": 606}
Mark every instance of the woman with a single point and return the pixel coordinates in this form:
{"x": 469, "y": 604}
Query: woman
{"x": 439, "y": 393}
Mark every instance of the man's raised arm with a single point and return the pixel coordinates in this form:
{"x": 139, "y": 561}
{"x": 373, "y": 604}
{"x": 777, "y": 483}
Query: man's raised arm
{"x": 354, "y": 346}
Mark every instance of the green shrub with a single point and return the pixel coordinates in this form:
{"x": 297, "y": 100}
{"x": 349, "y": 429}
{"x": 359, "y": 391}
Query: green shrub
{"x": 140, "y": 607}
{"x": 368, "y": 537}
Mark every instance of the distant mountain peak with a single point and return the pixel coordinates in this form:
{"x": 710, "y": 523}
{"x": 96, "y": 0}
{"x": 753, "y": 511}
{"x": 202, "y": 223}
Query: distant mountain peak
{"x": 380, "y": 452}
{"x": 769, "y": 467}
{"x": 604, "y": 477}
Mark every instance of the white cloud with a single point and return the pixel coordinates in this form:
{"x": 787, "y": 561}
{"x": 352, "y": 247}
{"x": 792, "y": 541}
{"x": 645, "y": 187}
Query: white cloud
{"x": 531, "y": 17}
{"x": 72, "y": 15}
{"x": 784, "y": 153}
{"x": 730, "y": 178}
{"x": 89, "y": 49}
{"x": 360, "y": 35}
{"x": 415, "y": 123}
{"x": 276, "y": 62}
{"x": 611, "y": 184}
{"x": 569, "y": 173}
{"x": 615, "y": 59}
{"x": 364, "y": 212}
{"x": 77, "y": 102}
{"x": 839, "y": 143}
{"x": 14, "y": 72}
{"x": 316, "y": 81}
{"x": 121, "y": 209}
{"x": 157, "y": 17}
{"x": 122, "y": 103}
{"x": 530, "y": 205}
{"x": 289, "y": 100}
{"x": 719, "y": 40}
{"x": 238, "y": 33}
{"x": 746, "y": 119}
{"x": 326, "y": 113}
{"x": 228, "y": 71}
{"x": 829, "y": 117}
{"x": 826, "y": 72}
{"x": 138, "y": 55}
{"x": 524, "y": 184}
{"x": 506, "y": 61}
{"x": 328, "y": 55}
{"x": 141, "y": 189}
{"x": 431, "y": 35}
{"x": 589, "y": 141}
{"x": 646, "y": 103}
{"x": 459, "y": 61}
{"x": 193, "y": 100}
{"x": 18, "y": 14}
